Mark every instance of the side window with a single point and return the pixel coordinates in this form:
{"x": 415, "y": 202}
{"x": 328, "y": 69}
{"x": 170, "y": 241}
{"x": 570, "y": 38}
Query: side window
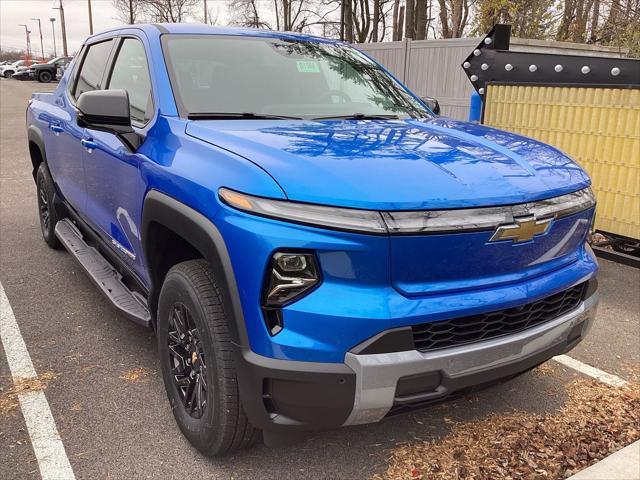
{"x": 92, "y": 68}
{"x": 74, "y": 73}
{"x": 131, "y": 73}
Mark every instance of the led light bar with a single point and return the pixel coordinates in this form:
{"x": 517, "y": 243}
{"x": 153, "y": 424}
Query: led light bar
{"x": 408, "y": 222}
{"x": 438, "y": 221}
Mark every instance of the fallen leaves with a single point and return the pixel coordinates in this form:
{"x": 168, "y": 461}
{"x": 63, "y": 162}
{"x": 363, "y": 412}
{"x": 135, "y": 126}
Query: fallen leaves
{"x": 596, "y": 421}
{"x": 9, "y": 399}
{"x": 135, "y": 375}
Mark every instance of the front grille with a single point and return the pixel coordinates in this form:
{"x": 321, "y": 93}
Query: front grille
{"x": 462, "y": 330}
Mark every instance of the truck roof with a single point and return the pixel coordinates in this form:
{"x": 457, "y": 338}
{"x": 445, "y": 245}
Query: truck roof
{"x": 158, "y": 29}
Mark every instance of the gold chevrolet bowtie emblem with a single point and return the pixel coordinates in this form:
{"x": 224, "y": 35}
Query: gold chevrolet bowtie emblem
{"x": 522, "y": 230}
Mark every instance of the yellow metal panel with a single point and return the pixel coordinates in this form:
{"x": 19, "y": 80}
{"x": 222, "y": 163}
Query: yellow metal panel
{"x": 597, "y": 127}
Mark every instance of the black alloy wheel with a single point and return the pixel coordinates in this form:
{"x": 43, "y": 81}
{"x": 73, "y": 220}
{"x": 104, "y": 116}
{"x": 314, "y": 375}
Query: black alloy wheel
{"x": 197, "y": 361}
{"x": 46, "y": 211}
{"x": 187, "y": 357}
{"x": 44, "y": 207}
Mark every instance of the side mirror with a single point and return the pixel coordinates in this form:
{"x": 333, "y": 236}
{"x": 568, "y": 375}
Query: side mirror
{"x": 432, "y": 103}
{"x": 105, "y": 110}
{"x": 108, "y": 111}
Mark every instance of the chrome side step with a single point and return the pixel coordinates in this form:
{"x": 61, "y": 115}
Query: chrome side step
{"x": 103, "y": 274}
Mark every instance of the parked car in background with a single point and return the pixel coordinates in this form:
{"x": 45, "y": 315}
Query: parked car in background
{"x": 313, "y": 245}
{"x": 45, "y": 72}
{"x": 23, "y": 73}
{"x": 8, "y": 70}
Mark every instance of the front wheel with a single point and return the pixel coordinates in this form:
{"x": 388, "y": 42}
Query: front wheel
{"x": 46, "y": 210}
{"x": 196, "y": 360}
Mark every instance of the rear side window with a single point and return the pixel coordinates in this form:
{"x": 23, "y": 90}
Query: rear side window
{"x": 131, "y": 73}
{"x": 93, "y": 66}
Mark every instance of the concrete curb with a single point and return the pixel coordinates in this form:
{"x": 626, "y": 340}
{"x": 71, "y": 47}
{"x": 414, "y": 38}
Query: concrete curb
{"x": 621, "y": 465}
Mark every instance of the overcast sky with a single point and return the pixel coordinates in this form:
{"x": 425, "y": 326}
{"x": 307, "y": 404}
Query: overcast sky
{"x": 15, "y": 12}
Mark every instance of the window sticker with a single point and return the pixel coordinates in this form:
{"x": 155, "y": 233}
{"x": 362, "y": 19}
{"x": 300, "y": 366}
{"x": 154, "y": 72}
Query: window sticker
{"x": 307, "y": 66}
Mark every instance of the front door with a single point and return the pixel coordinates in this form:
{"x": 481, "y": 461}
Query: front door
{"x": 63, "y": 143}
{"x": 111, "y": 168}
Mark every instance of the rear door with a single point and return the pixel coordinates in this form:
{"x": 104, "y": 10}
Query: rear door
{"x": 63, "y": 144}
{"x": 112, "y": 170}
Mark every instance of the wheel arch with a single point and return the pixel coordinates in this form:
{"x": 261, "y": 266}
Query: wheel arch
{"x": 36, "y": 148}
{"x": 164, "y": 215}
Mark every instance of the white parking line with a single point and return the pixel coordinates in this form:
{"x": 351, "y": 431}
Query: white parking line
{"x": 47, "y": 445}
{"x": 604, "y": 377}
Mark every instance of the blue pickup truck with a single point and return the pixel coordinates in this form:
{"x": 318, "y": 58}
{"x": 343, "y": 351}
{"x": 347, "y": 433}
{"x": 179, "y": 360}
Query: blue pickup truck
{"x": 313, "y": 246}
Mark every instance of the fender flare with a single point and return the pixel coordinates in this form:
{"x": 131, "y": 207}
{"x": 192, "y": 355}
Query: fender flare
{"x": 200, "y": 232}
{"x": 34, "y": 135}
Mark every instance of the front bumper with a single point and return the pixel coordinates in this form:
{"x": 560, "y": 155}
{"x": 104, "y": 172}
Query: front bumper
{"x": 283, "y": 395}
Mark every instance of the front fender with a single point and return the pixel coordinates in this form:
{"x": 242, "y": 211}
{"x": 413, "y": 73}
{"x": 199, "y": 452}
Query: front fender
{"x": 205, "y": 237}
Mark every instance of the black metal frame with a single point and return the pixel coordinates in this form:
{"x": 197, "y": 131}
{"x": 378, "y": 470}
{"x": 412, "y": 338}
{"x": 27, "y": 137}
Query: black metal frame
{"x": 494, "y": 54}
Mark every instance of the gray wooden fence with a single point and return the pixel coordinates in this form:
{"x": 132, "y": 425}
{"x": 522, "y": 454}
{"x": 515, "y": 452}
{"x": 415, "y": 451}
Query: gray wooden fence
{"x": 432, "y": 67}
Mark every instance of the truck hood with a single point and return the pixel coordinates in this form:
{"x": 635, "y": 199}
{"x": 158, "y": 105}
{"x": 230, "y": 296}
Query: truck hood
{"x": 397, "y": 164}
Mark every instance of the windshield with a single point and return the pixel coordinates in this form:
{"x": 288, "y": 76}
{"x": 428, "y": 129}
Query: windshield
{"x": 213, "y": 74}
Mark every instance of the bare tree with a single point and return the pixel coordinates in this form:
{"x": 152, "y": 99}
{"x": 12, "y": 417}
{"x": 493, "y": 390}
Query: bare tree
{"x": 595, "y": 16}
{"x": 396, "y": 12}
{"x": 454, "y": 17}
{"x": 127, "y": 11}
{"x": 409, "y": 28}
{"x": 620, "y": 28}
{"x": 528, "y": 18}
{"x": 245, "y": 13}
{"x": 170, "y": 11}
{"x": 285, "y": 15}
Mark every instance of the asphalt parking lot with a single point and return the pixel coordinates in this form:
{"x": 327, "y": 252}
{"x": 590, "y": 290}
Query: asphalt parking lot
{"x": 107, "y": 396}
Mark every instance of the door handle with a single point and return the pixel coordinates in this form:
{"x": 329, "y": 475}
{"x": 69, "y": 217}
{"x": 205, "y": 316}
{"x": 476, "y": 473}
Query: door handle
{"x": 56, "y": 128}
{"x": 90, "y": 145}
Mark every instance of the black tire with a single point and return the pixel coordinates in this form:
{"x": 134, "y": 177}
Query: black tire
{"x": 8, "y": 73}
{"x": 190, "y": 292}
{"x": 45, "y": 76}
{"x": 46, "y": 210}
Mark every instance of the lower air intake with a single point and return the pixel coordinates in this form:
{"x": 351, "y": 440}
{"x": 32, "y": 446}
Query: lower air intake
{"x": 463, "y": 330}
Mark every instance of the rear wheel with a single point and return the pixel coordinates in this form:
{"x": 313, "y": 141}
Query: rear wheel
{"x": 197, "y": 364}
{"x": 45, "y": 76}
{"x": 8, "y": 73}
{"x": 46, "y": 210}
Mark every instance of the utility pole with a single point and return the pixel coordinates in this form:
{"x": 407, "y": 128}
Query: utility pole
{"x": 53, "y": 31}
{"x": 64, "y": 29}
{"x": 131, "y": 12}
{"x": 205, "y": 12}
{"x": 41, "y": 44}
{"x": 28, "y": 32}
{"x": 90, "y": 18}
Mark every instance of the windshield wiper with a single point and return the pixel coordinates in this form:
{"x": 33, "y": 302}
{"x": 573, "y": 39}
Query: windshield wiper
{"x": 358, "y": 116}
{"x": 239, "y": 116}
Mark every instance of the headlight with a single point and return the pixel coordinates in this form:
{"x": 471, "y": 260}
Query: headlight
{"x": 411, "y": 221}
{"x": 317, "y": 215}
